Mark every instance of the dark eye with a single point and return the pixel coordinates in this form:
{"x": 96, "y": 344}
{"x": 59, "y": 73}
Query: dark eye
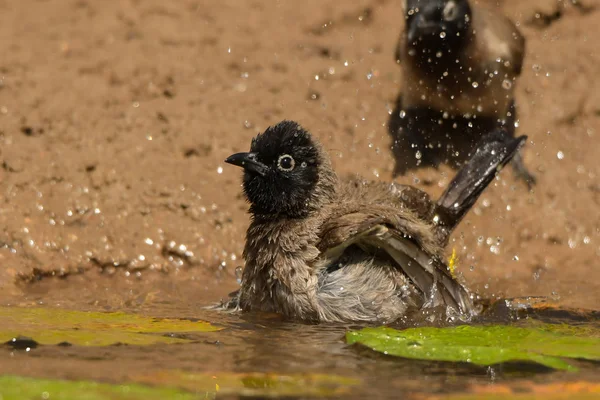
{"x": 286, "y": 162}
{"x": 450, "y": 11}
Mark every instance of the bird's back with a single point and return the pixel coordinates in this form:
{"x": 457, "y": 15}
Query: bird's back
{"x": 362, "y": 282}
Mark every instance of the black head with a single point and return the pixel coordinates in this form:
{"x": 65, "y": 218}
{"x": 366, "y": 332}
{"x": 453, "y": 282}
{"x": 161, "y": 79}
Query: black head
{"x": 281, "y": 171}
{"x": 437, "y": 29}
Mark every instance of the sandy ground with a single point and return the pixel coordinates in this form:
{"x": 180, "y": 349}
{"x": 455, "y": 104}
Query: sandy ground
{"x": 116, "y": 116}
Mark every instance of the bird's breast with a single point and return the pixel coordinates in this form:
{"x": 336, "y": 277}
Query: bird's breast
{"x": 278, "y": 276}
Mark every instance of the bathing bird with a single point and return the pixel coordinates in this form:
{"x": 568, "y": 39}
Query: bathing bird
{"x": 321, "y": 248}
{"x": 460, "y": 63}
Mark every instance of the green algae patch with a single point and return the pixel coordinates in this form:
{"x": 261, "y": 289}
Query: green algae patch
{"x": 52, "y": 326}
{"x": 254, "y": 384}
{"x": 178, "y": 385}
{"x": 18, "y": 388}
{"x": 545, "y": 344}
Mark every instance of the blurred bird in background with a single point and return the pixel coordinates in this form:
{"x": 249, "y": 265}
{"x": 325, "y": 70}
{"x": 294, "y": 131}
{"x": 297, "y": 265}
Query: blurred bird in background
{"x": 460, "y": 61}
{"x": 323, "y": 249}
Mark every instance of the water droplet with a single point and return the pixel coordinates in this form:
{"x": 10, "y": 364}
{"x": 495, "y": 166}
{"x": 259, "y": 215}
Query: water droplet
{"x": 220, "y": 170}
{"x": 506, "y": 84}
{"x": 442, "y": 34}
{"x": 475, "y": 84}
{"x": 238, "y": 275}
{"x": 560, "y": 155}
{"x": 516, "y": 258}
{"x": 418, "y": 155}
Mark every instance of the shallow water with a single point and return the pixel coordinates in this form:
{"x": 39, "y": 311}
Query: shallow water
{"x": 251, "y": 343}
{"x": 118, "y": 155}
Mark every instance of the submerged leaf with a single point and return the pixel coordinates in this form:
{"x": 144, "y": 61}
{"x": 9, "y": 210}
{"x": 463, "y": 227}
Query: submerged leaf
{"x": 484, "y": 345}
{"x": 53, "y": 326}
{"x": 17, "y": 388}
{"x": 254, "y": 384}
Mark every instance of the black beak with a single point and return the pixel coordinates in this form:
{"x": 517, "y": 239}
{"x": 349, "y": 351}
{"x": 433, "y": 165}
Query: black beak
{"x": 247, "y": 161}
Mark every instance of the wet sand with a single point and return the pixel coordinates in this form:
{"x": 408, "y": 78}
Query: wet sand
{"x": 115, "y": 119}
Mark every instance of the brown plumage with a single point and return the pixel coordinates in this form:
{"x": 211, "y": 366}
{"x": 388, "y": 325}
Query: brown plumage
{"x": 321, "y": 249}
{"x": 459, "y": 73}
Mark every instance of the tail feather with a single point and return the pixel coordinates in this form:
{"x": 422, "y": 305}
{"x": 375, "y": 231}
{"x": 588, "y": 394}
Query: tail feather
{"x": 493, "y": 152}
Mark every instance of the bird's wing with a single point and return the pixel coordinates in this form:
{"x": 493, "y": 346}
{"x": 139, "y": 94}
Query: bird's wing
{"x": 427, "y": 272}
{"x": 414, "y": 199}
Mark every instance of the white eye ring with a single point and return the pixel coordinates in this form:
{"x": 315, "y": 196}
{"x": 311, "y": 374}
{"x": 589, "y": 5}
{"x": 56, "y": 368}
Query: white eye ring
{"x": 287, "y": 168}
{"x": 450, "y": 10}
